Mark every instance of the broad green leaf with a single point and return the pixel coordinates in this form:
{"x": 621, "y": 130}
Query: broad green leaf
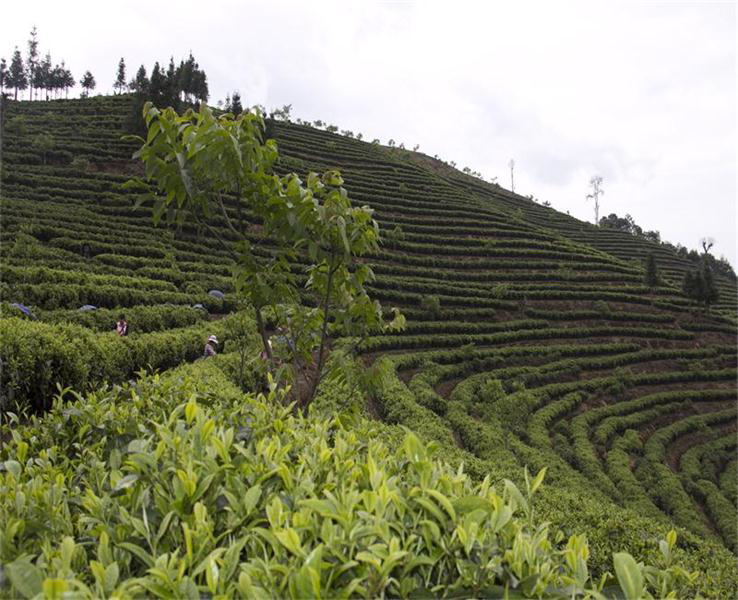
{"x": 54, "y": 588}
{"x": 629, "y": 575}
{"x": 516, "y": 496}
{"x": 431, "y": 508}
{"x": 289, "y": 538}
{"x": 25, "y": 577}
{"x": 251, "y": 498}
{"x": 112, "y": 573}
{"x": 14, "y": 467}
{"x": 414, "y": 449}
{"x": 443, "y": 501}
{"x": 467, "y": 504}
{"x": 538, "y": 480}
{"x": 671, "y": 538}
{"x": 125, "y": 482}
{"x": 138, "y": 552}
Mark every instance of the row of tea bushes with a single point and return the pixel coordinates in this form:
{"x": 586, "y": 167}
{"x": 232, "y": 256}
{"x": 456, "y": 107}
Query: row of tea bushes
{"x": 38, "y": 357}
{"x": 141, "y": 319}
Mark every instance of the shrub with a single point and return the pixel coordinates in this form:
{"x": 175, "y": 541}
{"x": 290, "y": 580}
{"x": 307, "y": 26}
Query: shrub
{"x": 80, "y": 164}
{"x": 431, "y": 304}
{"x": 36, "y": 357}
{"x": 228, "y": 495}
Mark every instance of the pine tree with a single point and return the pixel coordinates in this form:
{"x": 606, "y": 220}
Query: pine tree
{"x": 171, "y": 93}
{"x": 88, "y": 83}
{"x": 652, "y": 273}
{"x": 42, "y": 76}
{"x": 120, "y": 80}
{"x": 17, "y": 75}
{"x": 140, "y": 84}
{"x": 200, "y": 85}
{"x": 700, "y": 285}
{"x": 185, "y": 78}
{"x": 3, "y": 75}
{"x": 710, "y": 293}
{"x": 32, "y": 60}
{"x": 690, "y": 285}
{"x": 236, "y": 107}
{"x": 156, "y": 85}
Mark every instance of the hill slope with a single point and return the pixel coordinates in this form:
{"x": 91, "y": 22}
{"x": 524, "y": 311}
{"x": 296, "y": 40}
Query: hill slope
{"x": 531, "y": 339}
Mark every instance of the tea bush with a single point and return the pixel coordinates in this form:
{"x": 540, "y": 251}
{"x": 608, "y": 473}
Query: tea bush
{"x": 141, "y": 319}
{"x": 37, "y": 356}
{"x": 180, "y": 486}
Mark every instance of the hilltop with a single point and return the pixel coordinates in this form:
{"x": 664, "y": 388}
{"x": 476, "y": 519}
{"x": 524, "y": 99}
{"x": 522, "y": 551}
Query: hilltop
{"x": 531, "y": 338}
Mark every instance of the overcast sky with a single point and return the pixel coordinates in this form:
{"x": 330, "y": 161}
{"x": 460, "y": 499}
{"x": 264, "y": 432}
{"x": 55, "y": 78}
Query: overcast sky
{"x": 643, "y": 94}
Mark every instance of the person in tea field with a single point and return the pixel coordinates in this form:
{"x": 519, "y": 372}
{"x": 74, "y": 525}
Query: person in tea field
{"x": 283, "y": 341}
{"x": 210, "y": 347}
{"x": 264, "y": 356}
{"x": 121, "y": 327}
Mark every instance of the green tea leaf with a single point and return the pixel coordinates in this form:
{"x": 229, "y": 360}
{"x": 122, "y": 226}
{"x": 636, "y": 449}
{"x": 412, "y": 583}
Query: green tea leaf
{"x": 125, "y": 482}
{"x": 139, "y": 552}
{"x": 25, "y": 577}
{"x": 14, "y": 467}
{"x": 629, "y": 575}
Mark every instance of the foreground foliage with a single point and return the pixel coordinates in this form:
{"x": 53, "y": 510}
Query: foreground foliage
{"x": 180, "y": 486}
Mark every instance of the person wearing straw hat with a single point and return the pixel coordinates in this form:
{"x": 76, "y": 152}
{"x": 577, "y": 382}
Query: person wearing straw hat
{"x": 210, "y": 347}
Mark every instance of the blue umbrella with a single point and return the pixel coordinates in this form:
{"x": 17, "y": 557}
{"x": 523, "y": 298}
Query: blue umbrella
{"x": 216, "y": 294}
{"x": 88, "y": 307}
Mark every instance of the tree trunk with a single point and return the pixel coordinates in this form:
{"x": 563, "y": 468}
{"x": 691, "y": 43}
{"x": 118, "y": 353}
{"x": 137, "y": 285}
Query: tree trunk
{"x": 264, "y": 336}
{"x": 323, "y": 336}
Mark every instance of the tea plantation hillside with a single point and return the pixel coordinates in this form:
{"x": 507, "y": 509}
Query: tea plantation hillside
{"x": 620, "y": 244}
{"x": 531, "y": 338}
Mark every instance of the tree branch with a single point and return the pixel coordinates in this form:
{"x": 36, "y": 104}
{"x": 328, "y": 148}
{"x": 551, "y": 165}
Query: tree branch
{"x": 227, "y": 218}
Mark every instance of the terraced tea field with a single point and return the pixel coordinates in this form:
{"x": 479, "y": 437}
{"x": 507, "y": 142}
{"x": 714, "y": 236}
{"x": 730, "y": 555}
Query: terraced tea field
{"x": 531, "y": 337}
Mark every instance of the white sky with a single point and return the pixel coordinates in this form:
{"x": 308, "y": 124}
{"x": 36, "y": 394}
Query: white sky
{"x": 643, "y": 93}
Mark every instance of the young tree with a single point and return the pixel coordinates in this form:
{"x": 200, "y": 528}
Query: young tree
{"x": 710, "y": 293}
{"x": 32, "y": 60}
{"x": 120, "y": 80}
{"x": 67, "y": 80}
{"x": 197, "y": 160}
{"x": 17, "y": 78}
{"x": 651, "y": 278}
{"x": 88, "y": 83}
{"x": 511, "y": 164}
{"x": 699, "y": 285}
{"x": 42, "y": 76}
{"x": 56, "y": 81}
{"x": 689, "y": 285}
{"x": 597, "y": 191}
{"x": 43, "y": 142}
